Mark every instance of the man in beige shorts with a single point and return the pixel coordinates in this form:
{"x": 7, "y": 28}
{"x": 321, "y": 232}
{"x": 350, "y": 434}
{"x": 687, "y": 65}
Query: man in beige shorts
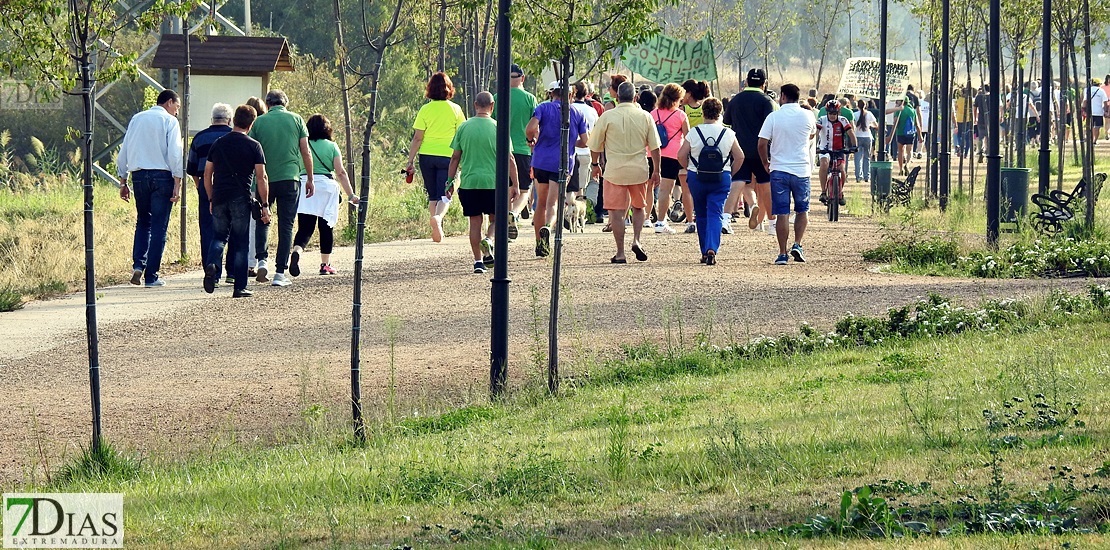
{"x": 622, "y": 134}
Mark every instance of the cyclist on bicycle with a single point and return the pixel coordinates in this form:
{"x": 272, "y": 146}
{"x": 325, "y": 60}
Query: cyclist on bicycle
{"x": 835, "y": 133}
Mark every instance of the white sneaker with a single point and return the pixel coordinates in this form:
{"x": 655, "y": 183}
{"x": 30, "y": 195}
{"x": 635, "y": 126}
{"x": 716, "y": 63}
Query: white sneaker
{"x": 260, "y": 272}
{"x": 663, "y": 228}
{"x": 281, "y": 280}
{"x": 691, "y": 228}
{"x": 726, "y": 229}
{"x": 770, "y": 228}
{"x": 647, "y": 223}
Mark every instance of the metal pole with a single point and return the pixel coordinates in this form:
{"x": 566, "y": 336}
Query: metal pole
{"x": 1046, "y": 96}
{"x": 994, "y": 156}
{"x": 1089, "y": 166}
{"x": 499, "y": 293}
{"x": 882, "y": 79}
{"x": 945, "y": 106}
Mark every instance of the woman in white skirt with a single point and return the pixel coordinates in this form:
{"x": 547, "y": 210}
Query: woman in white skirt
{"x": 322, "y": 208}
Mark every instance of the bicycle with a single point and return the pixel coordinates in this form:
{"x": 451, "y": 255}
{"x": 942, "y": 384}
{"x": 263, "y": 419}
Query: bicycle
{"x": 838, "y": 159}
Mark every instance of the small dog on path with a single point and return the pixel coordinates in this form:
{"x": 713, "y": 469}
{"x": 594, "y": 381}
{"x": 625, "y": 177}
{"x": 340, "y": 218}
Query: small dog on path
{"x": 574, "y": 215}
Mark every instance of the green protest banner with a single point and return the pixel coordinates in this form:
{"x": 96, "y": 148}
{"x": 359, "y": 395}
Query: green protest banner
{"x": 665, "y": 59}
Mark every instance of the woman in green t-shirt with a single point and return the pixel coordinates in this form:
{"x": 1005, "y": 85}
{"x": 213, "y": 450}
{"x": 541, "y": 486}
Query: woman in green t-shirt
{"x": 322, "y": 208}
{"x": 434, "y": 129}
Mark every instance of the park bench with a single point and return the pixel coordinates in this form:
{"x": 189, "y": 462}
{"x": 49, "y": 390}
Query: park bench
{"x": 1058, "y": 207}
{"x": 901, "y": 191}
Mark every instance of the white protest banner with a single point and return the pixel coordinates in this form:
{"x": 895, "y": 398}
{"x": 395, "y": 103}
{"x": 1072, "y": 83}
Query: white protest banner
{"x": 861, "y": 78}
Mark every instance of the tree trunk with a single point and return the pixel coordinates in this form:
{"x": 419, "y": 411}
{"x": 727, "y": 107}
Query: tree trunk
{"x": 441, "y": 61}
{"x": 341, "y": 57}
{"x": 85, "y": 66}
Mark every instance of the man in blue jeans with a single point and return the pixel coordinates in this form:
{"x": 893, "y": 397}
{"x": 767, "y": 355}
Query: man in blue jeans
{"x": 198, "y": 158}
{"x": 784, "y": 142}
{"x": 151, "y": 156}
{"x": 233, "y": 161}
{"x": 284, "y": 139}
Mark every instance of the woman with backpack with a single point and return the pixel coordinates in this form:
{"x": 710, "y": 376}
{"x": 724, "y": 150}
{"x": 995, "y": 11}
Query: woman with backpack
{"x": 711, "y": 155}
{"x": 672, "y": 125}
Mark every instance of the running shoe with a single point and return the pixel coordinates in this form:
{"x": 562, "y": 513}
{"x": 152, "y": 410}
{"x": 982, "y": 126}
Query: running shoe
{"x": 486, "y": 246}
{"x": 545, "y": 236}
{"x": 796, "y": 252}
{"x": 327, "y": 269}
{"x": 663, "y": 228}
{"x": 726, "y": 229}
{"x": 753, "y": 219}
{"x": 210, "y": 278}
{"x": 479, "y": 267}
{"x": 295, "y": 264}
{"x": 280, "y": 280}
{"x": 137, "y": 277}
{"x": 513, "y": 231}
{"x": 691, "y": 228}
{"x": 783, "y": 259}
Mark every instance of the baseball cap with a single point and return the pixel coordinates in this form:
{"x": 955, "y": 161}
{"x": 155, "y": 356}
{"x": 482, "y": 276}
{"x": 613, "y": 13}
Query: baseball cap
{"x": 514, "y": 70}
{"x": 757, "y": 76}
{"x": 554, "y": 85}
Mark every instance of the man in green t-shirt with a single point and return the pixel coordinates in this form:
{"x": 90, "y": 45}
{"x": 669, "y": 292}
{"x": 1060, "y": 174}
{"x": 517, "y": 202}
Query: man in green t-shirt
{"x": 521, "y": 107}
{"x": 284, "y": 139}
{"x": 474, "y": 160}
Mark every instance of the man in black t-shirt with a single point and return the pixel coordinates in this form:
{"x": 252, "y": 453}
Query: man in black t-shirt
{"x": 233, "y": 161}
{"x": 745, "y": 115}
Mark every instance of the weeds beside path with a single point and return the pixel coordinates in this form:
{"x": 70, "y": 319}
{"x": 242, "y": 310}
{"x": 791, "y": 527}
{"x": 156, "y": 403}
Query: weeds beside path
{"x": 183, "y": 370}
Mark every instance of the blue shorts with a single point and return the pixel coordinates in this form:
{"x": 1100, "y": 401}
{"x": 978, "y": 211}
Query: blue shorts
{"x": 785, "y": 186}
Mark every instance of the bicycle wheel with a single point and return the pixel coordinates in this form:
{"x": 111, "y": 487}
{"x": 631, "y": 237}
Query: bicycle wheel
{"x": 834, "y": 196}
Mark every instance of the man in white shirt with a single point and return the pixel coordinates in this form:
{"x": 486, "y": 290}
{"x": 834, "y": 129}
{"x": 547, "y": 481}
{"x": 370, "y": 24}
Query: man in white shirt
{"x": 783, "y": 148}
{"x": 580, "y": 179}
{"x": 1097, "y": 98}
{"x": 151, "y": 154}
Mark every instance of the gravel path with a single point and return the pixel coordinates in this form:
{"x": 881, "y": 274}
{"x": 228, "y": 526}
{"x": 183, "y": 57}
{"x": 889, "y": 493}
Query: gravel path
{"x": 183, "y": 370}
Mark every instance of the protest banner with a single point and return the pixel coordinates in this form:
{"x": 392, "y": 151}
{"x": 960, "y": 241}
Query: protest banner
{"x": 861, "y": 77}
{"x": 665, "y": 59}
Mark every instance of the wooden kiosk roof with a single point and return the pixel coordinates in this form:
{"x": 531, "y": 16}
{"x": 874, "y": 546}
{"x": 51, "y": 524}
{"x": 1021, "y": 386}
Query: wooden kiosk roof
{"x": 224, "y": 55}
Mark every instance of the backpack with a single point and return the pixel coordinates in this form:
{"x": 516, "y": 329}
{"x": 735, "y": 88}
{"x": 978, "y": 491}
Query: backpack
{"x": 710, "y": 160}
{"x": 661, "y": 128}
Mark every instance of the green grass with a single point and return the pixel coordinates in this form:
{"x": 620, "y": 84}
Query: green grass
{"x": 675, "y": 448}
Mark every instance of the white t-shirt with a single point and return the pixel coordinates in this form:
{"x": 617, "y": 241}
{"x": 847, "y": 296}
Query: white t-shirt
{"x": 924, "y": 115}
{"x": 710, "y": 131}
{"x": 589, "y": 114}
{"x": 1098, "y": 99}
{"x": 868, "y": 119}
{"x": 789, "y": 129}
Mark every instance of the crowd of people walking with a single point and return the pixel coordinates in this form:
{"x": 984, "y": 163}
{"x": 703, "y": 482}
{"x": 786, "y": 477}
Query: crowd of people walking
{"x": 644, "y": 156}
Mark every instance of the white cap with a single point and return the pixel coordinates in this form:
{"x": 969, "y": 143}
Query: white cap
{"x": 554, "y": 85}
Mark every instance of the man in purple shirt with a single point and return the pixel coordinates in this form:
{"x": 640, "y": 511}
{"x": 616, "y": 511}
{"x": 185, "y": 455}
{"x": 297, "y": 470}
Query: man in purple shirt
{"x": 543, "y": 135}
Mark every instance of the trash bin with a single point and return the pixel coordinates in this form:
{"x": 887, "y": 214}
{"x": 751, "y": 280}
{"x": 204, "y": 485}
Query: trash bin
{"x": 1015, "y": 194}
{"x": 880, "y": 179}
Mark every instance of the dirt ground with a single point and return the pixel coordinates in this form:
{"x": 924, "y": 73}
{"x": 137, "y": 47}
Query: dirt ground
{"x": 186, "y": 371}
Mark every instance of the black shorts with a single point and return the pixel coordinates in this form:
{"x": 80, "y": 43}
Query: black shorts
{"x": 668, "y": 168}
{"x": 906, "y": 139}
{"x": 433, "y": 170}
{"x": 523, "y": 170}
{"x": 752, "y": 168}
{"x": 1096, "y": 121}
{"x": 476, "y": 202}
{"x": 547, "y": 177}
